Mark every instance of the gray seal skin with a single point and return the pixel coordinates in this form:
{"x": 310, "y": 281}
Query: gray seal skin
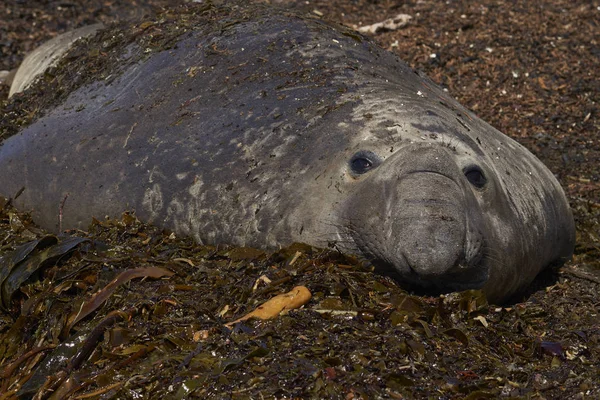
{"x": 280, "y": 128}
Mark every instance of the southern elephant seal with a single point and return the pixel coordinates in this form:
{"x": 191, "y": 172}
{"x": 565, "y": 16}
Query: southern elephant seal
{"x": 260, "y": 127}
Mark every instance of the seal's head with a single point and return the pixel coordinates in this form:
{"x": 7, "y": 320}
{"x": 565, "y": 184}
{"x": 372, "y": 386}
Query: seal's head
{"x": 418, "y": 217}
{"x": 442, "y": 201}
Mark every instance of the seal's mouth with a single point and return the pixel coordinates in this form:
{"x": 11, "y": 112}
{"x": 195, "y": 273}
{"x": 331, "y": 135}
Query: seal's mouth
{"x": 462, "y": 275}
{"x": 455, "y": 279}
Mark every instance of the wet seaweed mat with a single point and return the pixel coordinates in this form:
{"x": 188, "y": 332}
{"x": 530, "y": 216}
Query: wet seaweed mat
{"x": 128, "y": 311}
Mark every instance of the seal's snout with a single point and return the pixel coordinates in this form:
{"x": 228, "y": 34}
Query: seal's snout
{"x": 430, "y": 225}
{"x": 431, "y": 245}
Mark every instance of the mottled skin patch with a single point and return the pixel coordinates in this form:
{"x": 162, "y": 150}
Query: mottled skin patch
{"x": 250, "y": 136}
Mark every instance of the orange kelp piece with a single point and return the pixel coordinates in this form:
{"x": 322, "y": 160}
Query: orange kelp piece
{"x": 293, "y": 299}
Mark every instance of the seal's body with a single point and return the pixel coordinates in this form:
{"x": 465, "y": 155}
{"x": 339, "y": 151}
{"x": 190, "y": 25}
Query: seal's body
{"x": 279, "y": 128}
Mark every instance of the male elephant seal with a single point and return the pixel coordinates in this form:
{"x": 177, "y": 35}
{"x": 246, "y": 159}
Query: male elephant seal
{"x": 260, "y": 127}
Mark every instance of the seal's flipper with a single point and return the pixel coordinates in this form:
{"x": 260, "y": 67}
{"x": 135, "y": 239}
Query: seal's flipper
{"x": 46, "y": 56}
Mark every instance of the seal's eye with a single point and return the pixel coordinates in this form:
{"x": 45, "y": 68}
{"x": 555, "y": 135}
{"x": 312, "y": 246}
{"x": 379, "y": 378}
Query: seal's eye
{"x": 475, "y": 176}
{"x": 364, "y": 161}
{"x": 361, "y": 164}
